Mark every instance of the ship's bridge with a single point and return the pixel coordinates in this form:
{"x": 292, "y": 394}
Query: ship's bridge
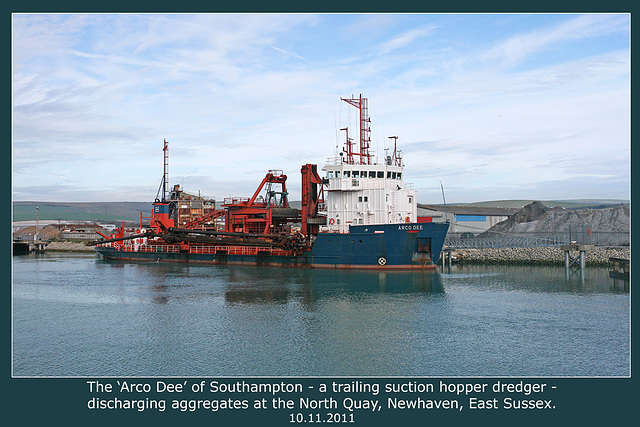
{"x": 360, "y": 194}
{"x": 345, "y": 177}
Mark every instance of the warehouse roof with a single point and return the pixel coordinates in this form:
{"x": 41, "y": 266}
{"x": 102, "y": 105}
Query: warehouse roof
{"x": 470, "y": 210}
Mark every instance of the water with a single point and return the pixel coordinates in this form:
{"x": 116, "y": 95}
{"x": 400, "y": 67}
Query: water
{"x": 78, "y": 315}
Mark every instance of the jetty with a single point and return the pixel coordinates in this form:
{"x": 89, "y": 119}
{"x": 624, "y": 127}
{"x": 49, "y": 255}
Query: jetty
{"x": 21, "y": 247}
{"x": 574, "y": 255}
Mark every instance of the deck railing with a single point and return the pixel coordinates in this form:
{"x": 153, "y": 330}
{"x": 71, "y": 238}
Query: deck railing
{"x": 204, "y": 249}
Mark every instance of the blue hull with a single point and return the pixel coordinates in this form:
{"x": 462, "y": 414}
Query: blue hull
{"x": 388, "y": 246}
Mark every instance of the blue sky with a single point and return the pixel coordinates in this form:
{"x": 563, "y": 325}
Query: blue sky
{"x": 494, "y": 106}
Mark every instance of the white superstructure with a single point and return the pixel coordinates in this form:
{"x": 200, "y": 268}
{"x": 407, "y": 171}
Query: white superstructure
{"x": 361, "y": 191}
{"x": 367, "y": 194}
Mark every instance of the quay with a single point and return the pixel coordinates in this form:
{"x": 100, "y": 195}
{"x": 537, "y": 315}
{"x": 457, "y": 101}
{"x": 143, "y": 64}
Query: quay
{"x": 599, "y": 256}
{"x": 21, "y": 247}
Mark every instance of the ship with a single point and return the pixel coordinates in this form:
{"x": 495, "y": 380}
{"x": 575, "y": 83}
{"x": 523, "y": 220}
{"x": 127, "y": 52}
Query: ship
{"x": 359, "y": 214}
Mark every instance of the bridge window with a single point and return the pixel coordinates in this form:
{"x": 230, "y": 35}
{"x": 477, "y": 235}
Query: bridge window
{"x": 380, "y": 174}
{"x": 330, "y": 174}
{"x": 372, "y": 174}
{"x": 399, "y": 175}
{"x": 356, "y": 174}
{"x": 346, "y": 174}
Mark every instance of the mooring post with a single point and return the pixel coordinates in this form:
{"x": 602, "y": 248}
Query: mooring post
{"x": 579, "y": 260}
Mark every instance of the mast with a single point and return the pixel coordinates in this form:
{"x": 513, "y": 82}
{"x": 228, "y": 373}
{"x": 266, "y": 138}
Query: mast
{"x": 362, "y": 104}
{"x": 165, "y": 177}
{"x": 396, "y": 159}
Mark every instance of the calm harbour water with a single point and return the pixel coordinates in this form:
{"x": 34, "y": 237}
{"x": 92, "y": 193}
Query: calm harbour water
{"x": 79, "y": 315}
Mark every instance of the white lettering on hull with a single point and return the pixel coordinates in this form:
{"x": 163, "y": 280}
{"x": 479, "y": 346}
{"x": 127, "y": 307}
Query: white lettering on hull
{"x": 411, "y": 227}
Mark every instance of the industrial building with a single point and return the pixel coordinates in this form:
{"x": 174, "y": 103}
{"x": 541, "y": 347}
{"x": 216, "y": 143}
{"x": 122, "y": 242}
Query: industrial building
{"x": 464, "y": 219}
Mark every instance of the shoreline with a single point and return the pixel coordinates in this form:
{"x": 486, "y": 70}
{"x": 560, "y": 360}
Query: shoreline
{"x": 598, "y": 257}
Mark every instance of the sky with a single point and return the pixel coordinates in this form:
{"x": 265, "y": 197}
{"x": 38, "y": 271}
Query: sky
{"x": 486, "y": 106}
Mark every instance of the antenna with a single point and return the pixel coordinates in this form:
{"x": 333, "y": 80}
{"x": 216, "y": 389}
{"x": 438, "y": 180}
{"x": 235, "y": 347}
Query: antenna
{"x": 35, "y": 235}
{"x": 349, "y": 149}
{"x": 444, "y": 202}
{"x": 395, "y": 158}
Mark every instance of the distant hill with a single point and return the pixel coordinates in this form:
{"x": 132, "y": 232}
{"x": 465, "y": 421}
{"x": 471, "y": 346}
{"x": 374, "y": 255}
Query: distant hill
{"x": 130, "y": 211}
{"x": 81, "y": 211}
{"x": 567, "y": 204}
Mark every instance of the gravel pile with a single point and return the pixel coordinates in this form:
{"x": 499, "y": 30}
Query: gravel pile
{"x": 66, "y": 246}
{"x": 602, "y": 226}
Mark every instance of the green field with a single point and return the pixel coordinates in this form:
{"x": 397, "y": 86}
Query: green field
{"x": 87, "y": 211}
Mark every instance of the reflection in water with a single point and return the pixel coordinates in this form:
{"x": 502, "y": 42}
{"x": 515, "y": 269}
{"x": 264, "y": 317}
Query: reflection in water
{"x": 534, "y": 278}
{"x": 184, "y": 320}
{"x": 160, "y": 294}
{"x": 312, "y": 285}
{"x": 265, "y": 285}
{"x": 620, "y": 285}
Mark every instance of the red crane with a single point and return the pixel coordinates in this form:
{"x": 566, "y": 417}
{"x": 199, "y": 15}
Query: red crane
{"x": 260, "y": 214}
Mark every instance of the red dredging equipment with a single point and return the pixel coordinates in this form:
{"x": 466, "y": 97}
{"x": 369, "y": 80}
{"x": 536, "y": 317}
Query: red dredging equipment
{"x": 312, "y": 198}
{"x": 264, "y": 220}
{"x": 268, "y": 214}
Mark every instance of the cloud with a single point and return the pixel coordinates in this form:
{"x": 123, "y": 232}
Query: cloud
{"x": 404, "y": 39}
{"x": 287, "y": 53}
{"x": 517, "y": 48}
{"x": 237, "y": 95}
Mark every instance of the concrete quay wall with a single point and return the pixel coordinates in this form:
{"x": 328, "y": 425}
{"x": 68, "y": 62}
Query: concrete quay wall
{"x": 599, "y": 256}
